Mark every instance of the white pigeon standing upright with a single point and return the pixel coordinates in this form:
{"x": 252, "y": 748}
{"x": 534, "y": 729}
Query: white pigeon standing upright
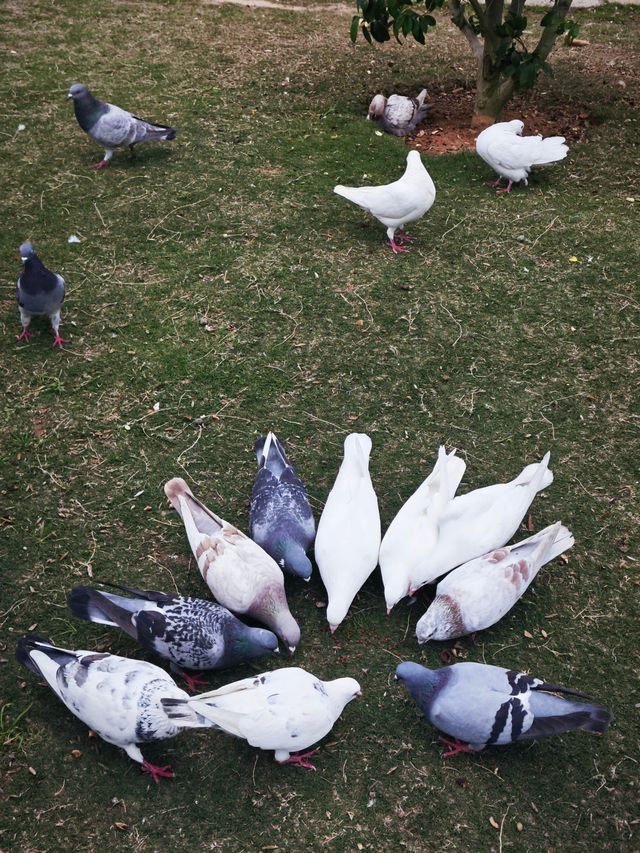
{"x": 414, "y": 530}
{"x": 348, "y": 537}
{"x": 398, "y": 114}
{"x": 285, "y": 710}
{"x": 479, "y": 593}
{"x": 396, "y": 204}
{"x": 512, "y": 155}
{"x": 478, "y": 522}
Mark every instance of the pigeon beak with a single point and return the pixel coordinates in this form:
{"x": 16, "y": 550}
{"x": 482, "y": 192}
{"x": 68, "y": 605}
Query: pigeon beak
{"x": 292, "y": 649}
{"x": 333, "y": 628}
{"x": 358, "y": 694}
{"x": 395, "y": 678}
{"x": 389, "y": 609}
{"x": 276, "y": 651}
{"x": 69, "y": 96}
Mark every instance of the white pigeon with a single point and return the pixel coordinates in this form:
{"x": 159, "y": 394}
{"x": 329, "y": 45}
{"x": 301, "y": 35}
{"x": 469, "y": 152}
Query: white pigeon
{"x": 396, "y": 204}
{"x": 285, "y": 710}
{"x": 414, "y": 530}
{"x": 512, "y": 155}
{"x": 479, "y": 522}
{"x": 479, "y": 593}
{"x": 398, "y": 114}
{"x": 239, "y": 573}
{"x": 348, "y": 537}
{"x": 119, "y": 699}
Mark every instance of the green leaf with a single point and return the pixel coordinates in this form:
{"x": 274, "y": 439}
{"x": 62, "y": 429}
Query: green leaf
{"x": 367, "y": 34}
{"x": 380, "y": 30}
{"x": 355, "y": 26}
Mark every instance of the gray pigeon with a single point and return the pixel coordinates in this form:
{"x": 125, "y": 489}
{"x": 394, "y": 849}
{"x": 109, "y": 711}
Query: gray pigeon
{"x": 119, "y": 699}
{"x": 38, "y": 291}
{"x": 189, "y": 632}
{"x": 280, "y": 518}
{"x": 398, "y": 114}
{"x": 111, "y": 126}
{"x": 486, "y": 705}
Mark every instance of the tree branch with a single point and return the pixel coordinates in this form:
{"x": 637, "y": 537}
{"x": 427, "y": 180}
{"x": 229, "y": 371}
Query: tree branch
{"x": 459, "y": 19}
{"x": 517, "y": 7}
{"x": 549, "y": 34}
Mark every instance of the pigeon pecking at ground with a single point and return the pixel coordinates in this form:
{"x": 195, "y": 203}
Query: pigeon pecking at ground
{"x": 189, "y": 632}
{"x": 284, "y": 710}
{"x": 479, "y": 593}
{"x": 512, "y": 155}
{"x": 348, "y": 538}
{"x": 38, "y": 291}
{"x": 112, "y": 127}
{"x": 477, "y": 522}
{"x": 119, "y": 699}
{"x": 238, "y": 572}
{"x": 482, "y": 705}
{"x": 414, "y": 530}
{"x": 280, "y": 518}
{"x": 396, "y": 204}
{"x": 398, "y": 114}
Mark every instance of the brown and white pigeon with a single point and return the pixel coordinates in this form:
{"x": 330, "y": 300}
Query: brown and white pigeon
{"x": 239, "y": 573}
{"x": 479, "y": 593}
{"x": 398, "y": 114}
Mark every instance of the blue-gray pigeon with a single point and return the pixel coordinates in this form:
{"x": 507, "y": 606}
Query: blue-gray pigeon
{"x": 119, "y": 699}
{"x": 111, "y": 126}
{"x": 38, "y": 291}
{"x": 482, "y": 705}
{"x": 189, "y": 632}
{"x": 280, "y": 518}
{"x": 398, "y": 114}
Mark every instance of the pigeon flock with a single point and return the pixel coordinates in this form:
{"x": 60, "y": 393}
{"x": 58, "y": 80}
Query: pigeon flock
{"x": 437, "y": 534}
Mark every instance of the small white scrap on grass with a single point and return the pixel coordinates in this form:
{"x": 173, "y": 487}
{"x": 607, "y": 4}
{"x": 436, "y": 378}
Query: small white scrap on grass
{"x": 21, "y": 127}
{"x": 73, "y": 239}
{"x": 156, "y": 407}
{"x": 378, "y": 133}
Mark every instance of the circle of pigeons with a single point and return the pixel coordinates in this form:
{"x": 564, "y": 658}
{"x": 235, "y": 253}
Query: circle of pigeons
{"x": 435, "y": 533}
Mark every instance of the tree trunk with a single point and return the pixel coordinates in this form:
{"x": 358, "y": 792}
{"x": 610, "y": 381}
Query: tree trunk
{"x": 492, "y": 93}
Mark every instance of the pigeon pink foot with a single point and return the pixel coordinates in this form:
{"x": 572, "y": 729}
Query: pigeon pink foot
{"x": 157, "y": 772}
{"x": 24, "y": 335}
{"x": 58, "y": 341}
{"x": 397, "y": 248}
{"x": 456, "y": 747}
{"x": 506, "y": 189}
{"x": 101, "y": 164}
{"x": 194, "y": 681}
{"x": 494, "y": 183}
{"x": 403, "y": 237}
{"x": 299, "y": 759}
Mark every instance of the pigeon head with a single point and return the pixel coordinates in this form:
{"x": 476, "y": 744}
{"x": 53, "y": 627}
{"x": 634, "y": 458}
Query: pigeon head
{"x": 27, "y": 251}
{"x": 335, "y": 614}
{"x": 295, "y": 559}
{"x": 77, "y": 92}
{"x": 343, "y": 690}
{"x": 413, "y": 158}
{"x": 376, "y": 107}
{"x": 516, "y": 126}
{"x": 439, "y": 622}
{"x": 418, "y": 680}
{"x": 395, "y": 589}
{"x": 255, "y": 642}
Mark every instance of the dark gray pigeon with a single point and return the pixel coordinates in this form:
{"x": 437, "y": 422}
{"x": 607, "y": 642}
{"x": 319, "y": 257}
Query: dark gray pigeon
{"x": 111, "y": 126}
{"x": 486, "y": 705}
{"x": 119, "y": 699}
{"x": 189, "y": 632}
{"x": 398, "y": 114}
{"x": 38, "y": 291}
{"x": 280, "y": 518}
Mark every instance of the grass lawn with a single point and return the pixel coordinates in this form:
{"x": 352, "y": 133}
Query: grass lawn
{"x": 220, "y": 277}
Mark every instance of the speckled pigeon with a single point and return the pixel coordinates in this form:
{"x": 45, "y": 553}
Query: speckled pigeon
{"x": 482, "y": 705}
{"x": 398, "y": 114}
{"x": 280, "y": 518}
{"x": 38, "y": 291}
{"x": 284, "y": 710}
{"x": 119, "y": 699}
{"x": 112, "y": 127}
{"x": 189, "y": 632}
{"x": 479, "y": 593}
{"x": 239, "y": 573}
